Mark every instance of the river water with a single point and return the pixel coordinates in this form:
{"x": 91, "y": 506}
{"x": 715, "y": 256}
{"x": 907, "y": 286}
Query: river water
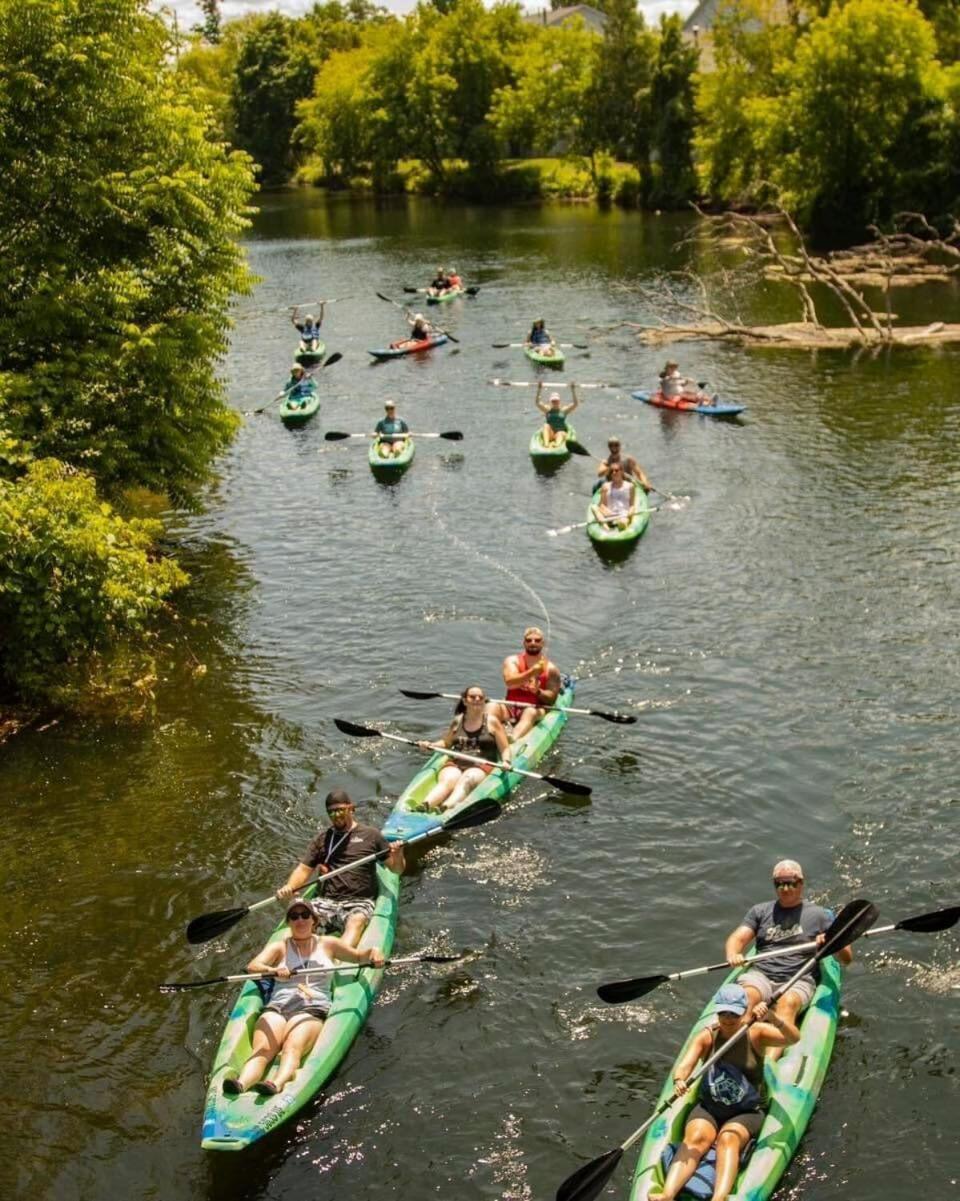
{"x": 786, "y": 636}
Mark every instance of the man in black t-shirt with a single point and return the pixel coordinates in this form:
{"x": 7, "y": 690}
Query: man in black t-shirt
{"x": 347, "y": 902}
{"x": 785, "y": 922}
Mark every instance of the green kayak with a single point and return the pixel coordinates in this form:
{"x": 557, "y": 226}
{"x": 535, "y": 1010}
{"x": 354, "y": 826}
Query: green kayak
{"x": 233, "y": 1123}
{"x": 408, "y": 820}
{"x": 793, "y": 1085}
{"x": 610, "y": 535}
{"x": 393, "y": 464}
{"x": 540, "y": 452}
{"x": 443, "y": 297}
{"x": 547, "y": 354}
{"x": 298, "y": 410}
{"x": 310, "y": 358}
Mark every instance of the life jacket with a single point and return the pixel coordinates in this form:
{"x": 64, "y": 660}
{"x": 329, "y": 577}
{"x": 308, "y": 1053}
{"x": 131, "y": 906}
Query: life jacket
{"x": 519, "y": 693}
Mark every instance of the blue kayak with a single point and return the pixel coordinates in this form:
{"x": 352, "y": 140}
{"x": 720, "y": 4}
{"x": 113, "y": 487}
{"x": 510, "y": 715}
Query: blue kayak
{"x": 719, "y": 409}
{"x": 409, "y": 346}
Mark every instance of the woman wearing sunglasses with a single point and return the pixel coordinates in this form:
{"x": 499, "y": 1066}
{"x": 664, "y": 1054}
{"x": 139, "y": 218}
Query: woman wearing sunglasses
{"x": 473, "y": 731}
{"x": 730, "y": 1105}
{"x": 294, "y": 1015}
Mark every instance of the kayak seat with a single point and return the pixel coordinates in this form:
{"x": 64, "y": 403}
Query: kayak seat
{"x": 702, "y": 1181}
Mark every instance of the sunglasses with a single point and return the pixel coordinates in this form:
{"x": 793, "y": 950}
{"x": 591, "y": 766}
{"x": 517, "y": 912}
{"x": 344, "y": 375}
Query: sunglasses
{"x": 300, "y": 916}
{"x": 786, "y": 883}
{"x": 339, "y": 809}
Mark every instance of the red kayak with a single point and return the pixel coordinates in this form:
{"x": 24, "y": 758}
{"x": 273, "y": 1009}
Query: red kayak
{"x": 409, "y": 346}
{"x": 709, "y": 409}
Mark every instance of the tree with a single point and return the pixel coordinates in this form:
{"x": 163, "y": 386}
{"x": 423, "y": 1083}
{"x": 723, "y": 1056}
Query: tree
{"x": 210, "y": 28}
{"x": 617, "y": 104}
{"x": 672, "y": 115}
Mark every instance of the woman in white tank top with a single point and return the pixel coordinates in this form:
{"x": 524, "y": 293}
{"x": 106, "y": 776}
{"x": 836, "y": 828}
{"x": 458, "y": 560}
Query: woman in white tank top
{"x": 618, "y": 499}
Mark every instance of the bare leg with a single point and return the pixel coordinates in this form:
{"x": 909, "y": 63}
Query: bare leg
{"x": 528, "y": 719}
{"x": 302, "y": 1034}
{"x": 353, "y": 929}
{"x": 697, "y": 1141}
{"x": 730, "y": 1142}
{"x": 446, "y": 779}
{"x": 469, "y": 779}
{"x": 267, "y": 1041}
{"x": 788, "y": 1008}
{"x": 546, "y": 435}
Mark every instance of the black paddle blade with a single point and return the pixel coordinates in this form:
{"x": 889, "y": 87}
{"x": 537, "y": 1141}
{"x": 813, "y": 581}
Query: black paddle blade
{"x": 577, "y": 448}
{"x": 387, "y": 298}
{"x": 452, "y": 435}
{"x": 335, "y": 436}
{"x": 209, "y": 925}
{"x": 587, "y": 1182}
{"x": 406, "y": 289}
{"x": 420, "y": 696}
{"x": 853, "y": 920}
{"x": 620, "y": 719}
{"x": 347, "y": 727}
{"x": 619, "y": 991}
{"x": 570, "y": 786}
{"x": 472, "y": 290}
{"x": 183, "y": 986}
{"x": 333, "y": 358}
{"x": 440, "y": 958}
{"x": 930, "y": 923}
{"x": 476, "y": 815}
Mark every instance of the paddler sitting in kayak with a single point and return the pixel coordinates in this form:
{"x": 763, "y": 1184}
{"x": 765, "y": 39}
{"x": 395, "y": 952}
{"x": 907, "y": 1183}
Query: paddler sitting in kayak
{"x": 473, "y": 731}
{"x": 783, "y": 922}
{"x": 674, "y": 386}
{"x": 730, "y": 1106}
{"x": 391, "y": 432}
{"x": 533, "y": 684}
{"x": 539, "y": 335}
{"x": 309, "y": 329}
{"x": 453, "y": 279}
{"x": 555, "y": 429}
{"x": 631, "y": 468}
{"x": 294, "y": 1015}
{"x": 617, "y": 504}
{"x": 299, "y": 387}
{"x": 420, "y": 331}
{"x": 347, "y": 902}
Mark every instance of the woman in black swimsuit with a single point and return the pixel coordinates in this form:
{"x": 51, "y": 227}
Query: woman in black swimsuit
{"x": 474, "y": 732}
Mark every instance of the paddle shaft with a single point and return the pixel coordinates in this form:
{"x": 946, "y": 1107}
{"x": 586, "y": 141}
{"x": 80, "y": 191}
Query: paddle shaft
{"x": 305, "y": 972}
{"x": 405, "y": 309}
{"x": 493, "y": 700}
{"x": 526, "y": 383}
{"x": 508, "y": 767}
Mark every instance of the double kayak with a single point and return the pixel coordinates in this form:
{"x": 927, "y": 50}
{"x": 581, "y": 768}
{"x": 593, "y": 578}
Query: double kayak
{"x": 391, "y": 463}
{"x": 547, "y": 354}
{"x": 231, "y": 1123}
{"x": 310, "y": 358}
{"x": 556, "y": 452}
{"x": 409, "y": 346}
{"x": 609, "y": 534}
{"x": 297, "y": 410}
{"x": 793, "y": 1084}
{"x": 707, "y": 408}
{"x": 444, "y": 296}
{"x": 408, "y": 818}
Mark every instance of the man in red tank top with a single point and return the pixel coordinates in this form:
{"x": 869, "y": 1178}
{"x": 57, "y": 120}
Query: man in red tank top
{"x": 532, "y": 681}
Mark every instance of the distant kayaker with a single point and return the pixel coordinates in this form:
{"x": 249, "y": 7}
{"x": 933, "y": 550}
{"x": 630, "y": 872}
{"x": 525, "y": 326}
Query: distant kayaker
{"x": 533, "y": 684}
{"x": 299, "y": 387}
{"x": 309, "y": 328}
{"x": 539, "y": 335}
{"x": 453, "y": 279}
{"x": 420, "y": 327}
{"x": 674, "y": 386}
{"x": 439, "y": 282}
{"x": 294, "y": 1015}
{"x": 617, "y": 503}
{"x": 391, "y": 432}
{"x": 784, "y": 922}
{"x": 631, "y": 468}
{"x": 730, "y": 1105}
{"x": 347, "y": 902}
{"x": 474, "y": 732}
{"x": 555, "y": 428}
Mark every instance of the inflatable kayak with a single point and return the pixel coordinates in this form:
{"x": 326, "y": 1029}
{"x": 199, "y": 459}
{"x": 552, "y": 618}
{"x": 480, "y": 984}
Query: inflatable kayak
{"x": 393, "y": 463}
{"x": 793, "y": 1085}
{"x": 689, "y": 406}
{"x": 540, "y": 452}
{"x": 396, "y": 349}
{"x": 408, "y": 819}
{"x": 232, "y": 1123}
{"x": 297, "y": 410}
{"x": 443, "y": 297}
{"x": 547, "y": 354}
{"x": 310, "y": 358}
{"x": 608, "y": 534}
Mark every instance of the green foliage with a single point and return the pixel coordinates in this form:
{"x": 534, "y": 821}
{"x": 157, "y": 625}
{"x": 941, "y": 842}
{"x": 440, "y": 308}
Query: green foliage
{"x": 672, "y": 115}
{"x": 118, "y": 219}
{"x": 77, "y": 581}
{"x": 617, "y": 103}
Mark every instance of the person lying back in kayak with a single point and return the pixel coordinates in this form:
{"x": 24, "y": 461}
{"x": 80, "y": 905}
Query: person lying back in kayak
{"x": 674, "y": 386}
{"x": 555, "y": 428}
{"x": 347, "y": 902}
{"x": 309, "y": 329}
{"x": 294, "y": 1015}
{"x": 784, "y": 922}
{"x": 474, "y": 732}
{"x": 631, "y": 468}
{"x": 533, "y": 684}
{"x": 299, "y": 387}
{"x": 391, "y": 432}
{"x": 617, "y": 503}
{"x": 730, "y": 1105}
{"x": 539, "y": 335}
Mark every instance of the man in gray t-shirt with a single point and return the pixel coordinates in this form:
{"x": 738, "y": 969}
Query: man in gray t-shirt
{"x": 787, "y": 921}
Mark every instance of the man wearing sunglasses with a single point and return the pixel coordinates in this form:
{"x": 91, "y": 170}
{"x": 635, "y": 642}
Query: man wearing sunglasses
{"x": 784, "y": 922}
{"x": 532, "y": 682}
{"x": 347, "y": 902}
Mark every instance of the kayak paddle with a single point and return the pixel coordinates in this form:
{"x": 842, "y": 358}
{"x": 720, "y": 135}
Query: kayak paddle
{"x": 211, "y": 925}
{"x": 526, "y": 383}
{"x": 185, "y": 985}
{"x": 629, "y": 990}
{"x": 403, "y": 308}
{"x": 524, "y": 345}
{"x": 570, "y": 786}
{"x": 588, "y": 1182}
{"x": 580, "y": 525}
{"x": 623, "y": 719}
{"x": 471, "y": 291}
{"x": 339, "y": 435}
{"x": 334, "y": 358}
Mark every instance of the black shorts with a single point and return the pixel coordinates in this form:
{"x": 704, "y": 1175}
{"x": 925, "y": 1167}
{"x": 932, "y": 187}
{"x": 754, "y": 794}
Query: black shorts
{"x": 296, "y": 1004}
{"x": 751, "y": 1121}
